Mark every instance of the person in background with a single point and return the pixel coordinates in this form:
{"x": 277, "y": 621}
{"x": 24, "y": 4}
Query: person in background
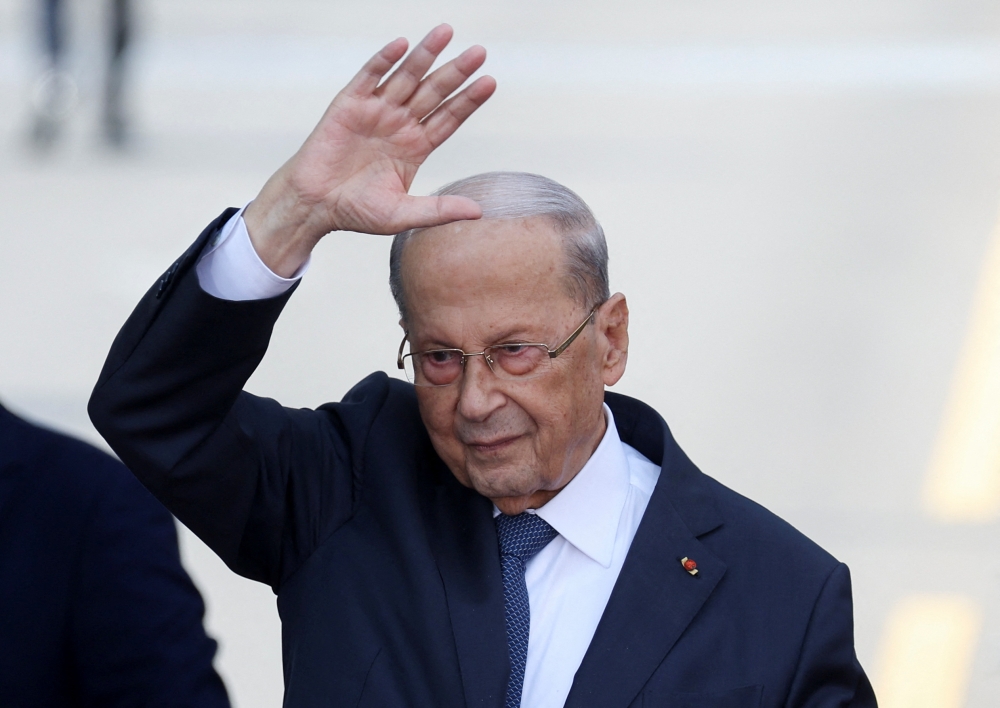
{"x": 55, "y": 91}
{"x": 95, "y": 607}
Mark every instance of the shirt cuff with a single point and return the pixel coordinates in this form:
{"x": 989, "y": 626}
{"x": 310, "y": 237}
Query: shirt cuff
{"x": 230, "y": 268}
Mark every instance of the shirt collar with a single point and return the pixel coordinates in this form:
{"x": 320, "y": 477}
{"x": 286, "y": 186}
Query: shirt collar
{"x": 587, "y": 510}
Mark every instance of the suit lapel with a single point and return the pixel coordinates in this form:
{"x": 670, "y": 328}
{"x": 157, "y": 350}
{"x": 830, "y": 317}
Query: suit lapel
{"x": 652, "y": 604}
{"x": 655, "y": 598}
{"x": 464, "y": 541}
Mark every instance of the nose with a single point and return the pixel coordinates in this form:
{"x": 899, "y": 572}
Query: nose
{"x": 479, "y": 394}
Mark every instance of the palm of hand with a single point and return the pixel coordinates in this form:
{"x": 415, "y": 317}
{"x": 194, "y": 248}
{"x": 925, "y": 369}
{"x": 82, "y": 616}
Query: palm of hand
{"x": 354, "y": 170}
{"x": 357, "y": 166}
{"x": 359, "y": 163}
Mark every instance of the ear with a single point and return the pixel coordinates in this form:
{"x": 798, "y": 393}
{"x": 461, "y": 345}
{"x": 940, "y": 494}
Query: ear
{"x": 612, "y": 331}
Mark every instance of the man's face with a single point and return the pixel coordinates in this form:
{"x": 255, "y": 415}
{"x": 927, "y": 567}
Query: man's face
{"x": 473, "y": 284}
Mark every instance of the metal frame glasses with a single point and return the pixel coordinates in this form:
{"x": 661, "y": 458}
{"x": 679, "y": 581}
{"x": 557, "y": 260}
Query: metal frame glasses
{"x": 510, "y": 361}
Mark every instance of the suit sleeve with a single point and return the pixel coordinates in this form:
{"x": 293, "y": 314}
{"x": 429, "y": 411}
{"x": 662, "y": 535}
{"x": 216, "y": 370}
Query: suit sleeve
{"x": 261, "y": 484}
{"x": 136, "y": 624}
{"x": 829, "y": 674}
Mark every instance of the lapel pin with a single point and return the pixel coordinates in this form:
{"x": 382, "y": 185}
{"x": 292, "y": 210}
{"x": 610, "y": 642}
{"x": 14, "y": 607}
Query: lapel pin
{"x": 689, "y": 565}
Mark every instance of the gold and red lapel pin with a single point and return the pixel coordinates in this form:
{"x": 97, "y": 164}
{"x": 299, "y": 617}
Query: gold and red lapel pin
{"x": 689, "y": 565}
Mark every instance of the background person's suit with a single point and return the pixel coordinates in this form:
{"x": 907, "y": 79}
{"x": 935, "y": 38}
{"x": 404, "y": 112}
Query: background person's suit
{"x": 387, "y": 569}
{"x": 95, "y": 608}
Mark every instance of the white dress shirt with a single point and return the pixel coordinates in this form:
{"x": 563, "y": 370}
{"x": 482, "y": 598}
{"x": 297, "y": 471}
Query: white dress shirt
{"x": 230, "y": 268}
{"x": 596, "y": 514}
{"x": 570, "y": 580}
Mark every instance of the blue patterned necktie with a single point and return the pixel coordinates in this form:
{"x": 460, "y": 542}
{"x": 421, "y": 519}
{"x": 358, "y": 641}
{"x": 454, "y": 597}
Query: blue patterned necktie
{"x": 521, "y": 537}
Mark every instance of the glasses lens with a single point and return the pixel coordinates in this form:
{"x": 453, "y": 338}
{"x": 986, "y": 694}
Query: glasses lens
{"x": 434, "y": 368}
{"x": 516, "y": 360}
{"x": 408, "y": 368}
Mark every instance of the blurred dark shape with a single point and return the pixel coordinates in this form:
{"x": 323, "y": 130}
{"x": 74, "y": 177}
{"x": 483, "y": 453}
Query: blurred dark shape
{"x": 55, "y": 92}
{"x": 95, "y": 607}
{"x": 120, "y": 23}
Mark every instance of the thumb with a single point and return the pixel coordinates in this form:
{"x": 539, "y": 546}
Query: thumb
{"x": 423, "y": 212}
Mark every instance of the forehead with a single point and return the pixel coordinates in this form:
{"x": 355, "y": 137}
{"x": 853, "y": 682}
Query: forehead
{"x": 499, "y": 269}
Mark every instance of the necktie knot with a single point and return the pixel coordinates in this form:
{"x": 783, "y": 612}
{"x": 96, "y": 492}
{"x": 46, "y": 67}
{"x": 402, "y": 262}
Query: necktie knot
{"x": 524, "y": 535}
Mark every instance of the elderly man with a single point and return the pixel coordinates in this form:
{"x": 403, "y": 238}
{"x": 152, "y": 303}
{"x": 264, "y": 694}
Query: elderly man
{"x": 502, "y": 532}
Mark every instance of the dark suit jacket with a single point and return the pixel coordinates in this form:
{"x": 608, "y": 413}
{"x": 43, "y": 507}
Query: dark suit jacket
{"x": 95, "y": 608}
{"x": 387, "y": 569}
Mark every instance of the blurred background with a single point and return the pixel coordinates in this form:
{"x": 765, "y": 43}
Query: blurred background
{"x": 800, "y": 201}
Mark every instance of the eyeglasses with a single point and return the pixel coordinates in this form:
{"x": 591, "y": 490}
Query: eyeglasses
{"x": 515, "y": 360}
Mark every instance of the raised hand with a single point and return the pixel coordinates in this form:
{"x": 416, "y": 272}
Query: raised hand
{"x": 355, "y": 169}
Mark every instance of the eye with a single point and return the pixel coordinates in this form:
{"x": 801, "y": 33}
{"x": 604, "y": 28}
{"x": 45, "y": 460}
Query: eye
{"x": 511, "y": 350}
{"x": 441, "y": 357}
{"x": 518, "y": 359}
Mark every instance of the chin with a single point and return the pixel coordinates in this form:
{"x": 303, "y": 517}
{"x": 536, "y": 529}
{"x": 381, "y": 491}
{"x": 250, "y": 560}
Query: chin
{"x": 504, "y": 482}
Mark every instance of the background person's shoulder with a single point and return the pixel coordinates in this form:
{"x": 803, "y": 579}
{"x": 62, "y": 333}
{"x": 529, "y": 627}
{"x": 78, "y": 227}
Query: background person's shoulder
{"x": 67, "y": 466}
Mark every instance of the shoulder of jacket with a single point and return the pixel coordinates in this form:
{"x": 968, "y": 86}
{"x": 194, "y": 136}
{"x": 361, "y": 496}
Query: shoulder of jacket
{"x": 763, "y": 534}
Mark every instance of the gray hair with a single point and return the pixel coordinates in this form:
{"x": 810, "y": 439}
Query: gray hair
{"x": 522, "y": 195}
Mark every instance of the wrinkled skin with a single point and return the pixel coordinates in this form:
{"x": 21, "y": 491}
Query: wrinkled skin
{"x": 471, "y": 284}
{"x": 468, "y": 283}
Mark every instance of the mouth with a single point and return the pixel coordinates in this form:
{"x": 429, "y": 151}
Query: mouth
{"x": 491, "y": 447}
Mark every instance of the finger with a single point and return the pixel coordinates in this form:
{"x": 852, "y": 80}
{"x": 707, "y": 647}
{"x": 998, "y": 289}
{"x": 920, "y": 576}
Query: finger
{"x": 401, "y": 84}
{"x": 439, "y": 85}
{"x": 366, "y": 80}
{"x": 423, "y": 212}
{"x": 444, "y": 121}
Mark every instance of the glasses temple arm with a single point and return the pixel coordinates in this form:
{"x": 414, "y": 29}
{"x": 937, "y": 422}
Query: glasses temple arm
{"x": 553, "y": 353}
{"x": 399, "y": 356}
